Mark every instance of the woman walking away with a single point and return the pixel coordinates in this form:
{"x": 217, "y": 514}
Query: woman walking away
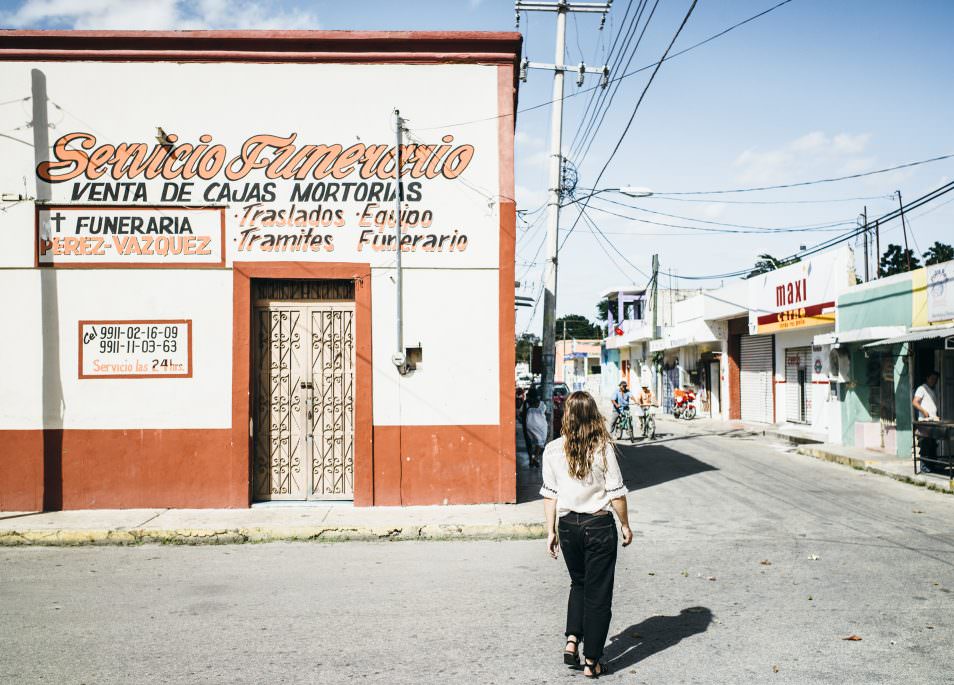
{"x": 582, "y": 484}
{"x": 537, "y": 426}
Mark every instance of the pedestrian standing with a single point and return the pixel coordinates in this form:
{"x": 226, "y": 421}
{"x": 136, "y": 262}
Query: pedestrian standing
{"x": 537, "y": 426}
{"x": 925, "y": 402}
{"x": 582, "y": 487}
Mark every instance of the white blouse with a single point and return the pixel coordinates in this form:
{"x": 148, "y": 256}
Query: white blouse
{"x": 587, "y": 496}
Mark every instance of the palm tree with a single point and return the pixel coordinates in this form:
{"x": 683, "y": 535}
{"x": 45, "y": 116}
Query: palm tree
{"x": 937, "y": 253}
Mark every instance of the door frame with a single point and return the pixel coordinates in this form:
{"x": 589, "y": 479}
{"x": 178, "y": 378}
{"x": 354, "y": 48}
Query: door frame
{"x": 242, "y": 395}
{"x": 306, "y": 310}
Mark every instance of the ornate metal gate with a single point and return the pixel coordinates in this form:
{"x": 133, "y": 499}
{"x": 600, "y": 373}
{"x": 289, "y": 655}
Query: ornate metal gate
{"x": 304, "y": 399}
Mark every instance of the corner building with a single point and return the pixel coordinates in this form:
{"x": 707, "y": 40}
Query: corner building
{"x": 200, "y": 277}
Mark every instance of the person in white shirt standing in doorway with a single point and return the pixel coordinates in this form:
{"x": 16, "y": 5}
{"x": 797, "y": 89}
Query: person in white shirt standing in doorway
{"x": 582, "y": 484}
{"x": 925, "y": 401}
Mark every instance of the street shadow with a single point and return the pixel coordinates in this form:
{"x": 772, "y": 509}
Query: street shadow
{"x": 19, "y": 516}
{"x": 529, "y": 478}
{"x": 643, "y": 465}
{"x": 51, "y": 379}
{"x": 655, "y": 634}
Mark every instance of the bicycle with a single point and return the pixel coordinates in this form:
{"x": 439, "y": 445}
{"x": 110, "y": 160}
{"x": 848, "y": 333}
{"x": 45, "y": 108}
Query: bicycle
{"x": 624, "y": 422}
{"x": 647, "y": 423}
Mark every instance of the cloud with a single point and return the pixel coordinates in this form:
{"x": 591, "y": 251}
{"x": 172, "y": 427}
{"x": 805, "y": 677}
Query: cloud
{"x": 531, "y": 150}
{"x": 849, "y": 144}
{"x": 814, "y": 154}
{"x": 157, "y": 15}
{"x": 528, "y": 198}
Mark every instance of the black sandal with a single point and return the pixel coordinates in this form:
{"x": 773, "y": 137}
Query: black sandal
{"x": 603, "y": 670}
{"x": 572, "y": 658}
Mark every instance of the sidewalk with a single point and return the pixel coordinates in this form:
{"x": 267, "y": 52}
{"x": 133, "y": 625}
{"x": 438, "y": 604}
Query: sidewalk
{"x": 325, "y": 523}
{"x": 879, "y": 463}
{"x": 332, "y": 522}
{"x": 795, "y": 435}
{"x": 811, "y": 445}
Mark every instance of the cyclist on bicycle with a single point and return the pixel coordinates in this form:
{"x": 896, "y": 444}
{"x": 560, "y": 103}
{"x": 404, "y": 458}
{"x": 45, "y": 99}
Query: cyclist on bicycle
{"x": 645, "y": 400}
{"x": 622, "y": 398}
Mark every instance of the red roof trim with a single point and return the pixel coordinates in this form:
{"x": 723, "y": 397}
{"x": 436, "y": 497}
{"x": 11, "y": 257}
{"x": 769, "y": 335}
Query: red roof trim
{"x": 271, "y": 46}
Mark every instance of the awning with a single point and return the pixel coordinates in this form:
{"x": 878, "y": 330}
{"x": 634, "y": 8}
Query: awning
{"x": 859, "y": 335}
{"x": 926, "y": 334}
{"x": 661, "y": 344}
{"x": 627, "y": 290}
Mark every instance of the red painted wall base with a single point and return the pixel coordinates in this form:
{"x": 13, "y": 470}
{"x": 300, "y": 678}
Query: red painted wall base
{"x": 123, "y": 469}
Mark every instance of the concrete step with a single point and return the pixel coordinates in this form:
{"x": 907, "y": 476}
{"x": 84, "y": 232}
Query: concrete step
{"x": 879, "y": 463}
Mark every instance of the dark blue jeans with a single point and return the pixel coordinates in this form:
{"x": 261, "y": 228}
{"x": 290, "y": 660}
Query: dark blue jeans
{"x": 589, "y": 543}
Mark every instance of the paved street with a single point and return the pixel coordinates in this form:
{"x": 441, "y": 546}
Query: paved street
{"x": 750, "y": 565}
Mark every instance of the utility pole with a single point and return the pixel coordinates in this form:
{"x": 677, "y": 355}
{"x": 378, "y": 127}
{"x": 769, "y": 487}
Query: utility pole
{"x": 655, "y": 283}
{"x": 904, "y": 230}
{"x": 878, "y": 249}
{"x": 865, "y": 215}
{"x": 561, "y": 7}
{"x": 399, "y": 357}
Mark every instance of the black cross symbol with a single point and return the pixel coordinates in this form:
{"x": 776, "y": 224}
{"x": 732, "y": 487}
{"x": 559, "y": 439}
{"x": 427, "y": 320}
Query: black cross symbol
{"x": 57, "y": 219}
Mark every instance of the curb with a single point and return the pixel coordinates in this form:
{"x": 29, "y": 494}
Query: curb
{"x": 871, "y": 467}
{"x": 234, "y": 536}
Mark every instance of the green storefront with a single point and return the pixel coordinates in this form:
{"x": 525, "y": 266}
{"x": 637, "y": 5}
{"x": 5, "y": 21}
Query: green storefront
{"x": 890, "y": 333}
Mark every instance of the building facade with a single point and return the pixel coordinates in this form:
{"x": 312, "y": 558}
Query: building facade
{"x": 790, "y": 307}
{"x": 202, "y": 268}
{"x": 579, "y": 365}
{"x": 891, "y": 333}
{"x": 748, "y": 349}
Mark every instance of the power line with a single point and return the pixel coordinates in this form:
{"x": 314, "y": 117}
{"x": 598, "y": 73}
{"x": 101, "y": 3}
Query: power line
{"x": 600, "y": 93}
{"x": 632, "y": 116}
{"x": 593, "y": 225}
{"x": 595, "y": 129}
{"x": 755, "y": 229}
{"x": 660, "y": 196}
{"x": 533, "y": 259}
{"x": 704, "y": 229}
{"x": 586, "y": 123}
{"x": 831, "y": 242}
{"x": 612, "y": 80}
{"x": 596, "y": 233}
{"x": 799, "y": 184}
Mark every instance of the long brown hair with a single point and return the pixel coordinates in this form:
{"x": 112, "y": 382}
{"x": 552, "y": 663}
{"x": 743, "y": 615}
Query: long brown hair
{"x": 584, "y": 433}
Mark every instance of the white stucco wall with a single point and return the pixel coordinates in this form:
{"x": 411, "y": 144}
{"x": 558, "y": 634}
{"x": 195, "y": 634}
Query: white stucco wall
{"x": 819, "y": 391}
{"x": 451, "y": 298}
{"x": 70, "y": 295}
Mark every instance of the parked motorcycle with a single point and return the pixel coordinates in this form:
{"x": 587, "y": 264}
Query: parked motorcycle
{"x": 684, "y": 406}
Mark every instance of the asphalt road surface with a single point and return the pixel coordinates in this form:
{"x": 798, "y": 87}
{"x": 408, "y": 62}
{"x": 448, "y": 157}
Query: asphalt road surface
{"x": 750, "y": 565}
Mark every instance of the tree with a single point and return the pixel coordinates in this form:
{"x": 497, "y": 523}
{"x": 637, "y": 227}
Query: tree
{"x": 602, "y": 309}
{"x": 937, "y": 253}
{"x": 895, "y": 261}
{"x": 578, "y": 327}
{"x": 525, "y": 344}
{"x": 767, "y": 262}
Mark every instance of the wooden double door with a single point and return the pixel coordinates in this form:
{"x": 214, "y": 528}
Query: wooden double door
{"x": 303, "y": 418}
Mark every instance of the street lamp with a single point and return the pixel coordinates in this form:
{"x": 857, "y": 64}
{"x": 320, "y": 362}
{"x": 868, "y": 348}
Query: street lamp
{"x": 631, "y": 191}
{"x": 634, "y": 191}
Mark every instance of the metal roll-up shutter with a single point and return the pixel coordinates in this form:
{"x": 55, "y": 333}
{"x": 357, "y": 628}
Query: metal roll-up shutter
{"x": 756, "y": 378}
{"x": 798, "y": 388}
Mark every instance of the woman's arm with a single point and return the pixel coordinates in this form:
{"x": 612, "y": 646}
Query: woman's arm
{"x": 549, "y": 511}
{"x": 622, "y": 511}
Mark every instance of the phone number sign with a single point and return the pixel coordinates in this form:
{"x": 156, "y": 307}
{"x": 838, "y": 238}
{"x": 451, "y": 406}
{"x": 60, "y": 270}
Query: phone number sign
{"x": 135, "y": 349}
